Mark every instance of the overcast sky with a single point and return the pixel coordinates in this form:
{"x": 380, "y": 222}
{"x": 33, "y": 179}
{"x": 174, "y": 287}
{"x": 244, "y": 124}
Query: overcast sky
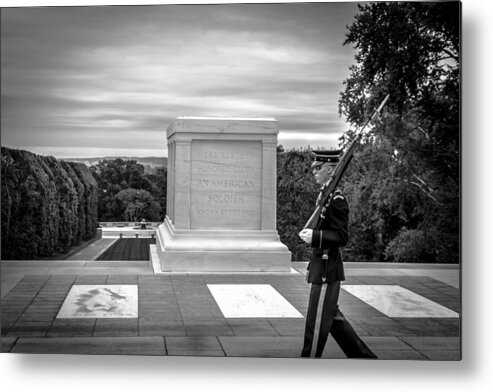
{"x": 93, "y": 81}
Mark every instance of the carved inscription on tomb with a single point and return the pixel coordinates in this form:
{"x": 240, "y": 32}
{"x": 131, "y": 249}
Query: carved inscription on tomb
{"x": 226, "y": 184}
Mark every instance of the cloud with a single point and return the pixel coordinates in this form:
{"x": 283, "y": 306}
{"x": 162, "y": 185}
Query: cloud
{"x": 92, "y": 76}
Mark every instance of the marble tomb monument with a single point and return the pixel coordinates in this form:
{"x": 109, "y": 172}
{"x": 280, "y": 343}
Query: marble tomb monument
{"x": 221, "y": 197}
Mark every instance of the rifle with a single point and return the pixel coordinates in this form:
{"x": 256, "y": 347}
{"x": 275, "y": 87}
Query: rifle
{"x": 339, "y": 170}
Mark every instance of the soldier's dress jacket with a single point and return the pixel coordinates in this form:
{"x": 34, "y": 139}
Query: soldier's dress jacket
{"x": 330, "y": 233}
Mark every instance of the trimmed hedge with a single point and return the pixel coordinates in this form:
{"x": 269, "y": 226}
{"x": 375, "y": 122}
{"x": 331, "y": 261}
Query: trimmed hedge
{"x": 48, "y": 205}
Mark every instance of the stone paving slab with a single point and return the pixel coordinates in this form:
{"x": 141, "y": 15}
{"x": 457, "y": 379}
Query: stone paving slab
{"x": 446, "y": 273}
{"x": 179, "y": 316}
{"x": 22, "y": 271}
{"x": 101, "y": 271}
{"x": 71, "y": 328}
{"x": 442, "y": 355}
{"x": 6, "y": 343}
{"x": 191, "y": 353}
{"x": 252, "y": 327}
{"x": 94, "y": 250}
{"x": 386, "y": 343}
{"x": 116, "y": 327}
{"x": 288, "y": 327}
{"x": 406, "y": 347}
{"x": 262, "y": 346}
{"x": 332, "y": 350}
{"x": 435, "y": 346}
{"x": 198, "y": 346}
{"x": 119, "y": 264}
{"x": 161, "y": 328}
{"x": 408, "y": 354}
{"x": 8, "y": 282}
{"x": 93, "y": 345}
{"x": 447, "y": 276}
{"x": 42, "y": 263}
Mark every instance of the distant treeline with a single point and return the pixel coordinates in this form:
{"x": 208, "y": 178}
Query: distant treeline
{"x": 296, "y": 195}
{"x": 48, "y": 205}
{"x": 127, "y": 193}
{"x": 390, "y": 219}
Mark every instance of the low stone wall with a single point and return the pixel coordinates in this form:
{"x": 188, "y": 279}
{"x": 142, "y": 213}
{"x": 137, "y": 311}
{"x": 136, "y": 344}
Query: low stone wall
{"x": 129, "y": 234}
{"x": 128, "y": 229}
{"x": 128, "y": 224}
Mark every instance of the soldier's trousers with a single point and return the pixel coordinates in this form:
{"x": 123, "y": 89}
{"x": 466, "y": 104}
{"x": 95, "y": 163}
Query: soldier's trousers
{"x": 333, "y": 321}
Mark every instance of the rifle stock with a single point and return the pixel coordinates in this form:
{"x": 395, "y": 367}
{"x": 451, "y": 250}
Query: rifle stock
{"x": 340, "y": 169}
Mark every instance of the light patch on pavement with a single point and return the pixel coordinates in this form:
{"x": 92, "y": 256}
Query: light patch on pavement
{"x": 396, "y": 301}
{"x": 156, "y": 264}
{"x": 100, "y": 301}
{"x": 251, "y": 300}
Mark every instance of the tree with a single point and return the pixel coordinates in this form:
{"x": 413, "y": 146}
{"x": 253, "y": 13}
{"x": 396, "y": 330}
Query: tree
{"x": 412, "y": 52}
{"x": 113, "y": 176}
{"x": 116, "y": 175}
{"x": 161, "y": 181}
{"x": 44, "y": 203}
{"x": 138, "y": 204}
{"x": 296, "y": 195}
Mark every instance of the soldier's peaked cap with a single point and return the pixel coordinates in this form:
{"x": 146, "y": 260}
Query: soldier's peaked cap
{"x": 320, "y": 157}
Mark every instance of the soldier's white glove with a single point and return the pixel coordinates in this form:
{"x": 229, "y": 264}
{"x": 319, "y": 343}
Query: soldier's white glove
{"x": 306, "y": 235}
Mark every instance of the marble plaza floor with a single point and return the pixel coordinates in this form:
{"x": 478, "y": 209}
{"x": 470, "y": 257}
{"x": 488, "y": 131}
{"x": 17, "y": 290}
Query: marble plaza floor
{"x": 84, "y": 306}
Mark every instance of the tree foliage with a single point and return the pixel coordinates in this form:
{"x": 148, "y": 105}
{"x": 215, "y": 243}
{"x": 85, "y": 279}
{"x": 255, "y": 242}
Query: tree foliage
{"x": 138, "y": 204}
{"x": 404, "y": 183}
{"x": 48, "y": 206}
{"x": 296, "y": 195}
{"x": 126, "y": 192}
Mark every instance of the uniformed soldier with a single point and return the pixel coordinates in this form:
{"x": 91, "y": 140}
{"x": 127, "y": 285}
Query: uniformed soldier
{"x": 326, "y": 267}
